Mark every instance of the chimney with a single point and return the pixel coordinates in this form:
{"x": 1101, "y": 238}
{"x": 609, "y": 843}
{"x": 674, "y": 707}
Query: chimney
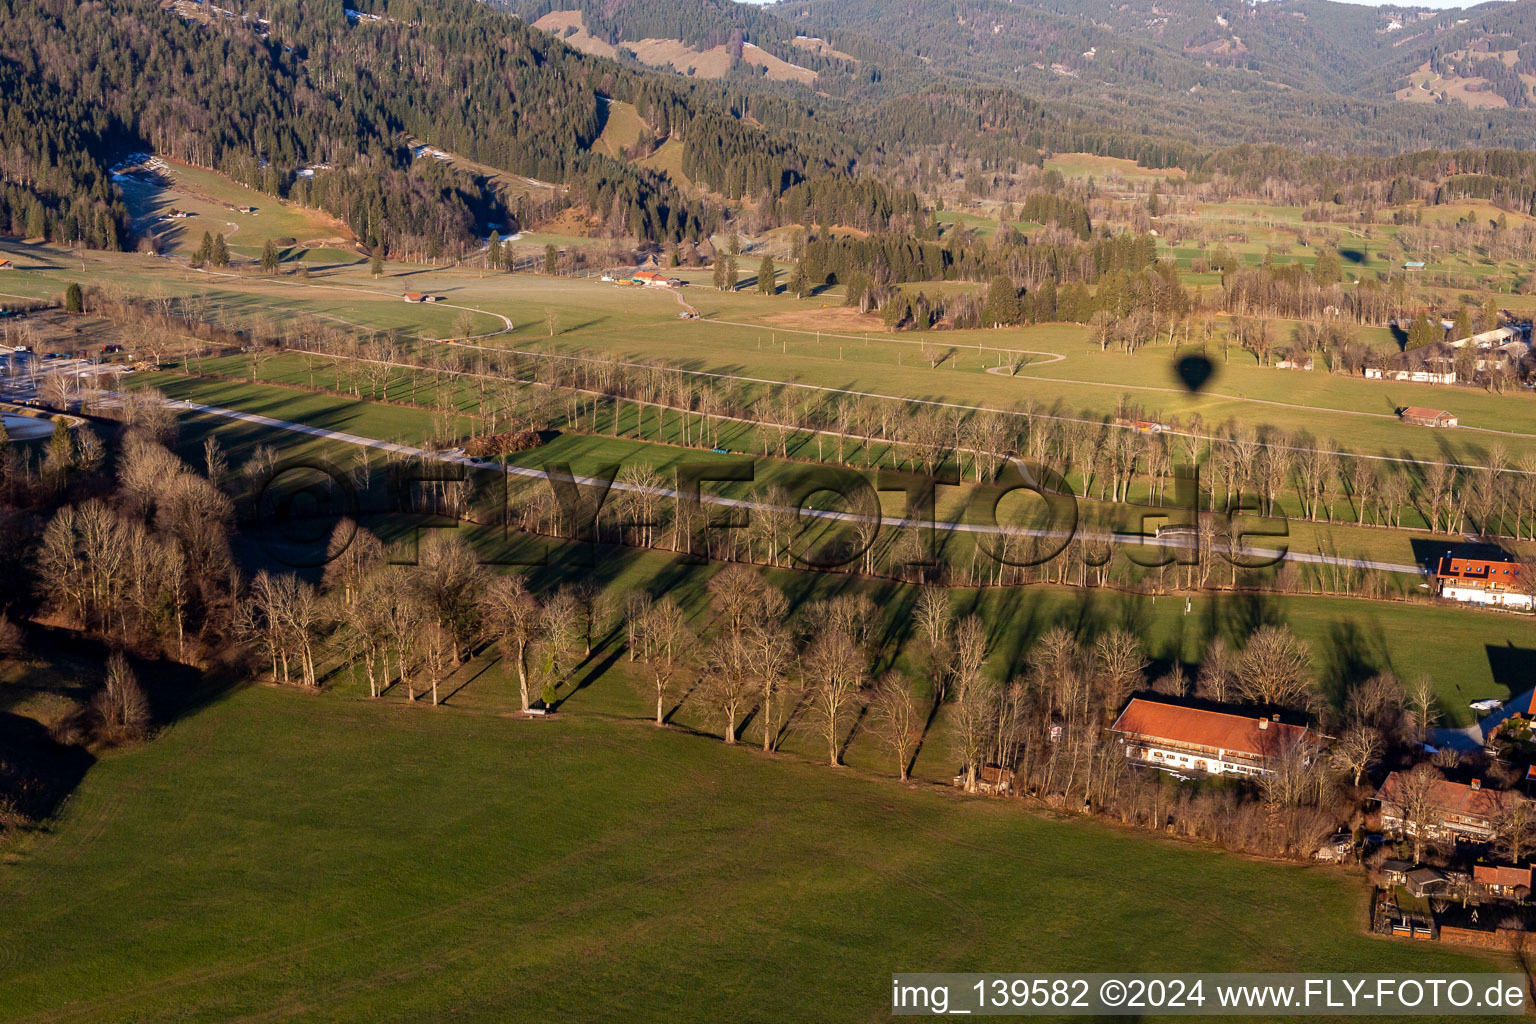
{"x": 1477, "y": 783}
{"x": 1263, "y": 723}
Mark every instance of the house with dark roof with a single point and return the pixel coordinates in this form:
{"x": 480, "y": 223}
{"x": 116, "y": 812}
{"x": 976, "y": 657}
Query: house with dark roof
{"x": 1427, "y": 881}
{"x": 1457, "y": 810}
{"x": 1188, "y": 739}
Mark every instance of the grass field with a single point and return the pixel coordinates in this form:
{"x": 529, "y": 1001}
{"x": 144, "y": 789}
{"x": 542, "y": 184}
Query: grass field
{"x": 745, "y": 334}
{"x": 283, "y": 856}
{"x": 1468, "y": 654}
{"x": 633, "y": 442}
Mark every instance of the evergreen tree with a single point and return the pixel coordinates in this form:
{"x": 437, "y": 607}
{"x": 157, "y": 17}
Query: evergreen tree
{"x": 61, "y": 446}
{"x": 37, "y": 221}
{"x": 1045, "y": 301}
{"x": 220, "y": 257}
{"x": 493, "y": 256}
{"x": 1462, "y": 327}
{"x": 204, "y": 251}
{"x": 767, "y": 277}
{"x": 732, "y": 273}
{"x": 1329, "y": 269}
{"x": 1423, "y": 332}
{"x": 1491, "y": 314}
{"x": 719, "y": 274}
{"x": 551, "y": 260}
{"x": 269, "y": 257}
{"x": 1002, "y": 305}
{"x": 74, "y": 300}
{"x": 376, "y": 265}
{"x": 799, "y": 281}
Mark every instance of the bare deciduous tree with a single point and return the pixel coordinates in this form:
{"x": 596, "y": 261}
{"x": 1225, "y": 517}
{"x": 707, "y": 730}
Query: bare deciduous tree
{"x": 667, "y": 645}
{"x": 835, "y": 675}
{"x": 513, "y": 619}
{"x": 1515, "y": 828}
{"x": 1357, "y": 751}
{"x": 897, "y": 719}
{"x": 1274, "y": 667}
{"x": 1415, "y": 793}
{"x": 120, "y": 706}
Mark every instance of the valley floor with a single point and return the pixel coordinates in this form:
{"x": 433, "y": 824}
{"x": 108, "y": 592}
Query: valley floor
{"x": 285, "y": 856}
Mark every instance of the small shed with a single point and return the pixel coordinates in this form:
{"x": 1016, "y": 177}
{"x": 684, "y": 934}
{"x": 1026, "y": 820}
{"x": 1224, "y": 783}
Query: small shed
{"x": 1422, "y": 417}
{"x": 1427, "y": 881}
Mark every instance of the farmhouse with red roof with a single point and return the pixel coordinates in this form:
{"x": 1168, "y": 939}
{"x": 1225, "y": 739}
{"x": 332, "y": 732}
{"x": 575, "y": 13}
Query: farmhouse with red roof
{"x": 1183, "y": 738}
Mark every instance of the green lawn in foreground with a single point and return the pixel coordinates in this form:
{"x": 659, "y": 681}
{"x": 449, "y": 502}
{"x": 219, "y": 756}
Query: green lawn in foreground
{"x": 286, "y": 856}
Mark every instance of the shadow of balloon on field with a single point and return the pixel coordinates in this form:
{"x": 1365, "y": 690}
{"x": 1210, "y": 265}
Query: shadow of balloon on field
{"x": 1194, "y": 372}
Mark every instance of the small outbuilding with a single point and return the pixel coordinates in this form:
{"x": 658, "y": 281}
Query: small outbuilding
{"x": 1422, "y": 417}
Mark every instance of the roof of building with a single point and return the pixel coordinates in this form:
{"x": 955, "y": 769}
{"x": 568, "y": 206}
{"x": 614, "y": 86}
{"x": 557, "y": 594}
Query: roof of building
{"x": 413, "y": 295}
{"x": 1451, "y": 798}
{"x": 1421, "y": 876}
{"x": 1419, "y": 412}
{"x": 1501, "y": 874}
{"x": 1397, "y": 865}
{"x": 1223, "y": 730}
{"x": 1479, "y": 570}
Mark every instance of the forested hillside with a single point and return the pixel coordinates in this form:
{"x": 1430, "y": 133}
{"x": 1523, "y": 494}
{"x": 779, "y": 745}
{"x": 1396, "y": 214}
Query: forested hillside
{"x": 1306, "y": 73}
{"x": 307, "y": 84}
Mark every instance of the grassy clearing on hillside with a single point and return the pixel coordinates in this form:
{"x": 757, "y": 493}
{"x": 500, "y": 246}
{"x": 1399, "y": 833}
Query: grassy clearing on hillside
{"x": 290, "y": 856}
{"x": 214, "y": 201}
{"x": 1087, "y": 165}
{"x": 622, "y": 128}
{"x": 668, "y": 159}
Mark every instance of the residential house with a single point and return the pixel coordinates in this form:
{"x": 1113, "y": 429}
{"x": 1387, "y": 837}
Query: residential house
{"x": 1502, "y": 880}
{"x": 6, "y": 264}
{"x": 654, "y": 279}
{"x": 1483, "y": 581}
{"x": 1394, "y": 871}
{"x": 1422, "y": 417}
{"x": 419, "y": 297}
{"x": 1188, "y": 739}
{"x": 1457, "y": 810}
